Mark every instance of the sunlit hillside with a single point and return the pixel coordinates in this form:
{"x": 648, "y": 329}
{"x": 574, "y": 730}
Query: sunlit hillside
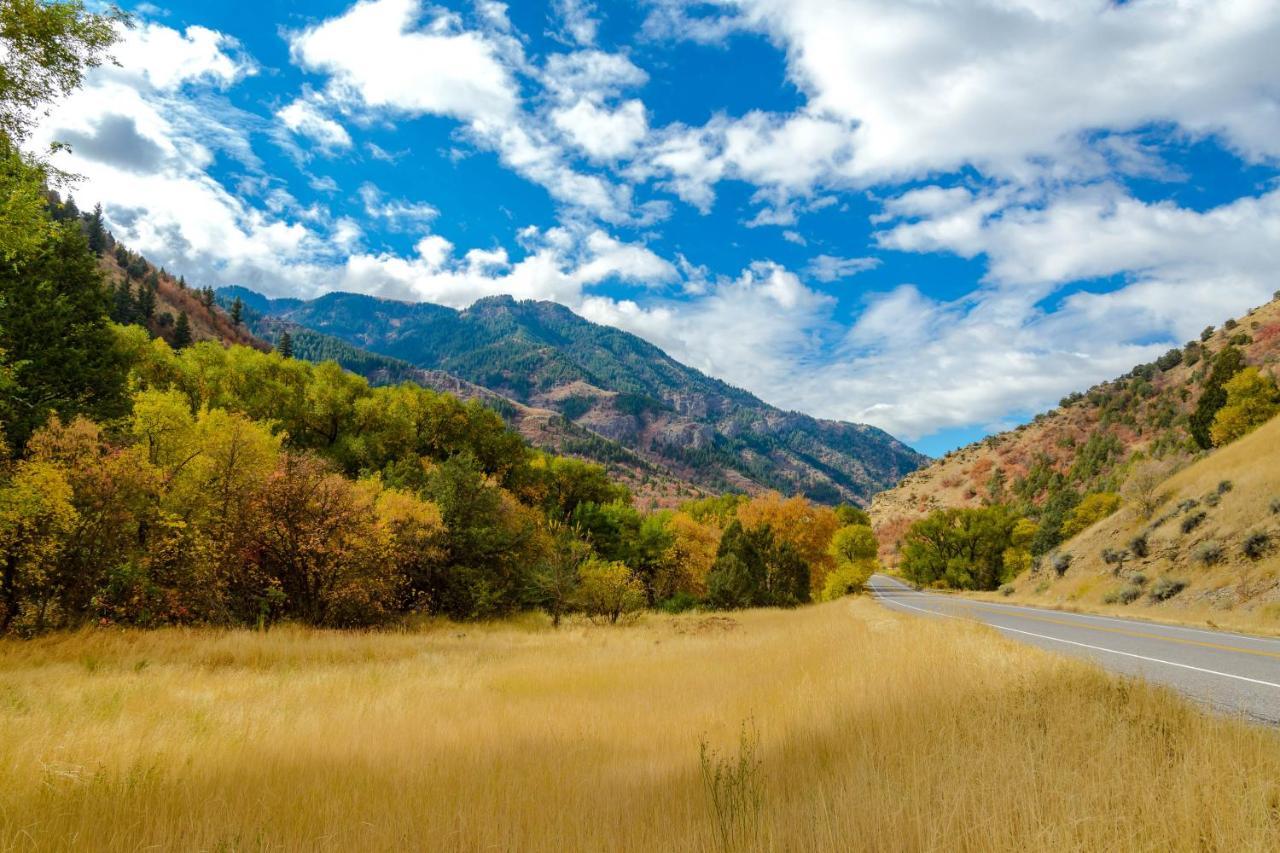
{"x": 1216, "y": 530}
{"x": 1086, "y": 441}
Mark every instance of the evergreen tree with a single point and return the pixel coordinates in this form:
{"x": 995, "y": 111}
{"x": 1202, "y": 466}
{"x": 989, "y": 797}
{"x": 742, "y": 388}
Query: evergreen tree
{"x": 182, "y": 332}
{"x": 237, "y": 311}
{"x": 56, "y": 335}
{"x": 146, "y": 301}
{"x": 285, "y": 345}
{"x": 1226, "y": 364}
{"x": 95, "y": 231}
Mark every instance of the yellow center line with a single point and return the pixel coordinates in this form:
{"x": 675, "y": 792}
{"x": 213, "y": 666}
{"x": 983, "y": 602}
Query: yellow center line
{"x": 1128, "y": 633}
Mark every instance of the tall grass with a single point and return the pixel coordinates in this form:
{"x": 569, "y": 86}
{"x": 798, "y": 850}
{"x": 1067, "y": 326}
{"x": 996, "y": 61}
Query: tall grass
{"x": 847, "y": 727}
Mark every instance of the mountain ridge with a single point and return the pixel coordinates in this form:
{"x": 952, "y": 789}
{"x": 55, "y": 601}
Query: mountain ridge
{"x": 614, "y": 384}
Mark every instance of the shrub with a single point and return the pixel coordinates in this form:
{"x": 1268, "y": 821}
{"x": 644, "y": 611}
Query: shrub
{"x": 1060, "y": 563}
{"x": 1191, "y": 522}
{"x": 1138, "y": 578}
{"x": 1007, "y": 589}
{"x": 1188, "y": 504}
{"x": 1256, "y": 545}
{"x": 1208, "y": 553}
{"x": 609, "y": 591}
{"x": 1130, "y": 594}
{"x": 1139, "y": 545}
{"x": 1225, "y": 486}
{"x": 1275, "y": 506}
{"x": 681, "y": 602}
{"x": 1212, "y": 499}
{"x": 1166, "y": 588}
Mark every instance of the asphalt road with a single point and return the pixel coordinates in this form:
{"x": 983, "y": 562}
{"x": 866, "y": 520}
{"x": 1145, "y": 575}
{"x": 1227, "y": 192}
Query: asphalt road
{"x": 1233, "y": 673}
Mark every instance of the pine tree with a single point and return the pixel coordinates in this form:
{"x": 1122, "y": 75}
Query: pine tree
{"x": 285, "y": 345}
{"x": 146, "y": 300}
{"x": 95, "y": 231}
{"x": 182, "y": 282}
{"x": 55, "y": 332}
{"x": 182, "y": 332}
{"x": 237, "y": 311}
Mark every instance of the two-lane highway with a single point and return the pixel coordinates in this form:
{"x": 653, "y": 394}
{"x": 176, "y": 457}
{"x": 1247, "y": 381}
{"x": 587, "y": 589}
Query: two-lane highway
{"x": 1235, "y": 673}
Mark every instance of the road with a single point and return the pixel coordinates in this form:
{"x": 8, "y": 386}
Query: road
{"x": 1233, "y": 673}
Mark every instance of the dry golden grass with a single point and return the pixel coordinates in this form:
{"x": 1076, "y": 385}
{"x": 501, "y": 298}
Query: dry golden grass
{"x": 1235, "y": 593}
{"x": 876, "y": 732}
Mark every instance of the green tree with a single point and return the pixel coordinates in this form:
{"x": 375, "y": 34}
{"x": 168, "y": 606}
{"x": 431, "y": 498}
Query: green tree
{"x": 36, "y": 515}
{"x": 182, "y": 332}
{"x": 1226, "y": 364}
{"x": 962, "y": 548}
{"x": 95, "y": 231}
{"x": 284, "y": 345}
{"x": 237, "y": 312}
{"x": 56, "y": 337}
{"x": 48, "y": 48}
{"x": 554, "y": 583}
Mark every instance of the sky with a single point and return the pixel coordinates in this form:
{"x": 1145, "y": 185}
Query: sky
{"x": 934, "y": 216}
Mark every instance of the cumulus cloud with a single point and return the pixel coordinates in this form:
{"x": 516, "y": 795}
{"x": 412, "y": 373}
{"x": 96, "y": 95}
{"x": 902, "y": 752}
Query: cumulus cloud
{"x": 304, "y": 117}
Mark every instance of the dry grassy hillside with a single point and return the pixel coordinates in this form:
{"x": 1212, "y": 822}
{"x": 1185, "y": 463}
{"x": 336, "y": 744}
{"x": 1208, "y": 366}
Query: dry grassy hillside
{"x": 1217, "y": 531}
{"x": 1107, "y": 424}
{"x": 863, "y": 730}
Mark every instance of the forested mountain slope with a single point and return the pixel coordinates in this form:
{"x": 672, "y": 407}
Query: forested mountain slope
{"x": 652, "y": 484}
{"x": 1088, "y": 444}
{"x": 616, "y": 385}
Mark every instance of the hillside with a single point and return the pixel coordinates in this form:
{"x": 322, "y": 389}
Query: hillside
{"x": 1087, "y": 442}
{"x": 618, "y": 386}
{"x": 1217, "y": 532}
{"x": 653, "y": 485}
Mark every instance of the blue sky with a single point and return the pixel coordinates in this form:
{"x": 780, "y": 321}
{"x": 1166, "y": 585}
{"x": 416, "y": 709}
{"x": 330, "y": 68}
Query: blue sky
{"x": 937, "y": 217}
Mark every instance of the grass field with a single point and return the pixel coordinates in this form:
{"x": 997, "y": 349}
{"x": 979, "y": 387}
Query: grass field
{"x": 863, "y": 730}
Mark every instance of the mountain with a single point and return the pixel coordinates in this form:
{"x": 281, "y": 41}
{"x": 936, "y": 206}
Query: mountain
{"x": 614, "y": 385}
{"x": 1087, "y": 444}
{"x": 651, "y": 484}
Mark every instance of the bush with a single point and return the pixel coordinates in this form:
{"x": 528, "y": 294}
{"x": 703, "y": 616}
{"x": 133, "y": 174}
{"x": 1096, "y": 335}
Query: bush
{"x": 1275, "y": 506}
{"x": 681, "y": 602}
{"x": 1167, "y": 588}
{"x": 1139, "y": 545}
{"x": 1188, "y": 504}
{"x": 1130, "y": 594}
{"x": 1256, "y": 545}
{"x": 1007, "y": 589}
{"x": 1060, "y": 563}
{"x": 1138, "y": 578}
{"x": 609, "y": 590}
{"x": 1225, "y": 486}
{"x": 1212, "y": 499}
{"x": 1208, "y": 553}
{"x": 1191, "y": 522}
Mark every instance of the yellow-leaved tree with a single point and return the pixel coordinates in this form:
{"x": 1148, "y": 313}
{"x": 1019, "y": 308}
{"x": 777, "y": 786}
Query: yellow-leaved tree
{"x": 1252, "y": 400}
{"x": 853, "y": 551}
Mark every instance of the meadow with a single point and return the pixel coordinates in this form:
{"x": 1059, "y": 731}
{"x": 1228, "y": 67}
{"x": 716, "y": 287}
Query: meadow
{"x": 833, "y": 727}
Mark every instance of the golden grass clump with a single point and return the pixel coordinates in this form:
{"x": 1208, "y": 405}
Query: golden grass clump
{"x": 835, "y": 727}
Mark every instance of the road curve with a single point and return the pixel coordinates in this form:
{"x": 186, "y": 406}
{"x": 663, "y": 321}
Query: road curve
{"x": 1233, "y": 673}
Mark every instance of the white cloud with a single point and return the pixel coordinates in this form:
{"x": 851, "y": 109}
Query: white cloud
{"x": 577, "y": 19}
{"x": 166, "y": 58}
{"x": 303, "y": 117}
{"x": 828, "y": 268}
{"x": 378, "y": 53}
{"x": 603, "y": 133}
{"x": 397, "y": 214}
{"x": 1013, "y": 87}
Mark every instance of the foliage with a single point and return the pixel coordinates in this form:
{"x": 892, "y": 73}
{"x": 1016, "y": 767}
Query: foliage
{"x": 1166, "y": 588}
{"x": 1256, "y": 545}
{"x": 753, "y": 569}
{"x": 609, "y": 590}
{"x": 1252, "y": 399}
{"x": 1226, "y": 364}
{"x": 1209, "y": 552}
{"x": 1091, "y": 509}
{"x": 964, "y": 548}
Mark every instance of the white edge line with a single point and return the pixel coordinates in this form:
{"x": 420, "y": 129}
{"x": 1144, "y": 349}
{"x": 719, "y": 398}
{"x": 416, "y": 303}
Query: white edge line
{"x": 1081, "y": 645}
{"x": 1071, "y": 613}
